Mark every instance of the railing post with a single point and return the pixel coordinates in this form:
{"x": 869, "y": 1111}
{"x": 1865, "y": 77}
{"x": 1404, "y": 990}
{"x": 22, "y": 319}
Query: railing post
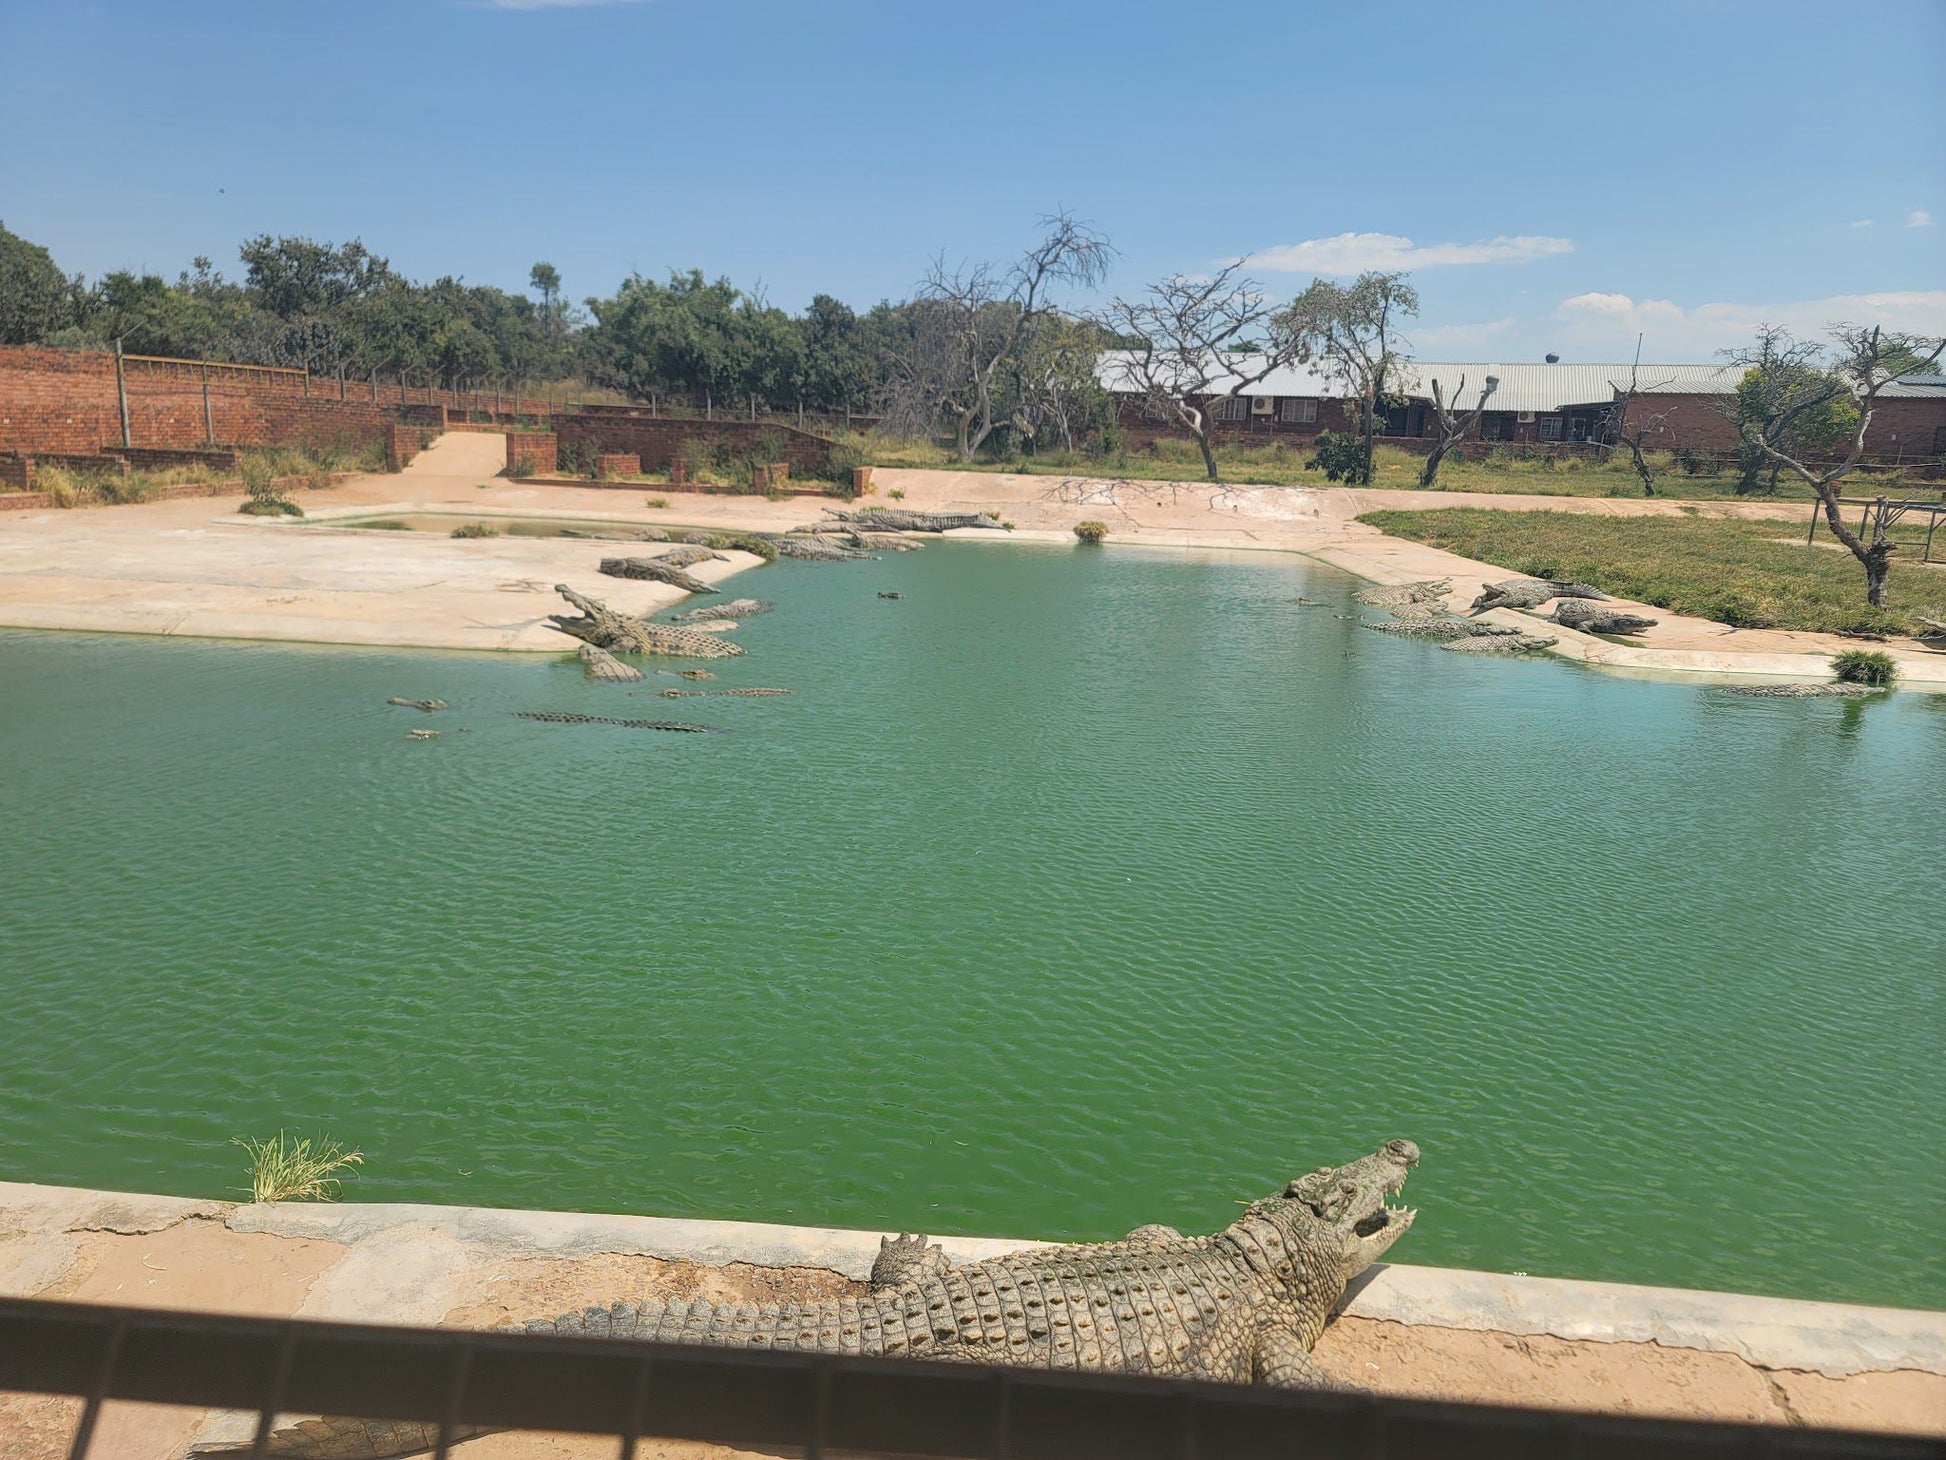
{"x": 121, "y": 390}
{"x": 209, "y": 419}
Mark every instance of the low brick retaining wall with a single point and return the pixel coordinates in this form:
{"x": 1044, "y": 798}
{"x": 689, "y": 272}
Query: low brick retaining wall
{"x": 38, "y": 501}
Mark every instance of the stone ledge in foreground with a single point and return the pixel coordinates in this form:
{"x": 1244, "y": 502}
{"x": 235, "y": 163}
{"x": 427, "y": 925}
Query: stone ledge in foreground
{"x": 38, "y": 1224}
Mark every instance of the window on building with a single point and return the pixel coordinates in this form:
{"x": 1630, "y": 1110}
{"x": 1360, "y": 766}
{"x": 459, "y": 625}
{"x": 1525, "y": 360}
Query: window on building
{"x": 1294, "y": 411}
{"x": 1232, "y": 408}
{"x": 1550, "y": 428}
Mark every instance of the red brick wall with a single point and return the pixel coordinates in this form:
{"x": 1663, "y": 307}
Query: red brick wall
{"x": 656, "y": 440}
{"x": 530, "y": 453}
{"x": 65, "y": 400}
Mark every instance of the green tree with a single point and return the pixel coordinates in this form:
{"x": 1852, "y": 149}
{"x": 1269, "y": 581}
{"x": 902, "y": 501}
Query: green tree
{"x": 1353, "y": 331}
{"x": 34, "y": 293}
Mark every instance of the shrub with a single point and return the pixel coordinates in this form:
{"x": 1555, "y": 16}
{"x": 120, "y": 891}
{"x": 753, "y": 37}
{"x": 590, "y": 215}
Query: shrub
{"x": 748, "y": 542}
{"x": 270, "y": 507}
{"x": 656, "y": 504}
{"x": 476, "y": 529}
{"x": 1340, "y": 455}
{"x": 1091, "y": 531}
{"x": 287, "y": 1169}
{"x": 1865, "y": 666}
{"x": 266, "y": 499}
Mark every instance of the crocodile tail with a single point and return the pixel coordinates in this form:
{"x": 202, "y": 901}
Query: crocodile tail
{"x": 336, "y": 1437}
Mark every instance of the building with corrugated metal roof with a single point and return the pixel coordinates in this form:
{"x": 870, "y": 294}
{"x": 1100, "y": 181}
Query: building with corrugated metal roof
{"x": 1683, "y": 405}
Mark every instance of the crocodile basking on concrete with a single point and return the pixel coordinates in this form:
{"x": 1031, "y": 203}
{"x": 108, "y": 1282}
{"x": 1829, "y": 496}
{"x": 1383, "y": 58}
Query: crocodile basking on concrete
{"x": 1530, "y": 593}
{"x": 1244, "y": 1305}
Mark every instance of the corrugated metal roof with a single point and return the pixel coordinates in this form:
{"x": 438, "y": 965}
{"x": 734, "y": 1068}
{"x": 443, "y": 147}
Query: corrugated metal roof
{"x": 1915, "y": 387}
{"x": 1550, "y": 387}
{"x": 1522, "y": 387}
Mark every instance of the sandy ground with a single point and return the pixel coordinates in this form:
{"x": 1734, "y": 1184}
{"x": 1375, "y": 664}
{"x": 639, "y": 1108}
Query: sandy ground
{"x": 461, "y": 1267}
{"x": 193, "y": 567}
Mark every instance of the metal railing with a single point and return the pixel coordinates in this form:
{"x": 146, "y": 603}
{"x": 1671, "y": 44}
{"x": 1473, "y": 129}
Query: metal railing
{"x": 817, "y": 1405}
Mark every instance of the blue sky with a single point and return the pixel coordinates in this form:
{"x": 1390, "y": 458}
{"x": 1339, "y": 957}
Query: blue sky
{"x": 1559, "y": 176}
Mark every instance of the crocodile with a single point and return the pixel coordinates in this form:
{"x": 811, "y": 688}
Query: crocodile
{"x": 1440, "y": 628}
{"x": 600, "y": 664}
{"x": 622, "y": 633}
{"x": 1243, "y": 1305}
{"x": 735, "y": 608}
{"x": 1596, "y": 618}
{"x": 1515, "y": 643}
{"x": 564, "y": 717}
{"x": 656, "y": 569}
{"x": 818, "y": 548}
{"x": 900, "y": 519}
{"x": 1399, "y": 595}
{"x": 1530, "y": 593}
{"x": 427, "y": 705}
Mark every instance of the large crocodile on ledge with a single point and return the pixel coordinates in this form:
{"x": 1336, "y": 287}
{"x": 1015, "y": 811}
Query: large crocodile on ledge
{"x": 1244, "y": 1305}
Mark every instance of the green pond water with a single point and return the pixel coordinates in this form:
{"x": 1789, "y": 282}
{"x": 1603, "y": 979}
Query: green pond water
{"x": 1074, "y": 890}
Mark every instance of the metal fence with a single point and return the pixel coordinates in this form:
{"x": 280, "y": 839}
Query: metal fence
{"x": 813, "y": 1405}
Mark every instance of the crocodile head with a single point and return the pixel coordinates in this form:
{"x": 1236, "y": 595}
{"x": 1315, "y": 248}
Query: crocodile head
{"x": 1336, "y": 1219}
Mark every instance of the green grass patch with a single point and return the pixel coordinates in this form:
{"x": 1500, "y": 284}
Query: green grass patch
{"x": 1529, "y": 470}
{"x": 1753, "y": 575}
{"x": 293, "y": 1168}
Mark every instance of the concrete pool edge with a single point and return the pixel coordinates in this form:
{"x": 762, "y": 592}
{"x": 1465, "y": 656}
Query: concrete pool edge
{"x": 40, "y": 1228}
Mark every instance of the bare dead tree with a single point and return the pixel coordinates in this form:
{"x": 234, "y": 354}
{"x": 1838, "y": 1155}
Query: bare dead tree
{"x": 1789, "y": 397}
{"x": 1869, "y": 359}
{"x": 1181, "y": 357}
{"x": 970, "y": 324}
{"x": 1454, "y": 424}
{"x": 1634, "y": 430}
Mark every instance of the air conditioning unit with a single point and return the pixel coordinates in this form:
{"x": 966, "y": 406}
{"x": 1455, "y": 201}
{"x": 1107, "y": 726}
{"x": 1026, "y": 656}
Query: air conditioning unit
{"x": 1526, "y": 418}
{"x": 1262, "y": 405}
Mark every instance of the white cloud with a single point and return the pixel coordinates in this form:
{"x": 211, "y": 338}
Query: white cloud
{"x": 1918, "y": 218}
{"x": 1354, "y": 253}
{"x": 1863, "y": 222}
{"x": 1462, "y": 341}
{"x": 1609, "y": 322}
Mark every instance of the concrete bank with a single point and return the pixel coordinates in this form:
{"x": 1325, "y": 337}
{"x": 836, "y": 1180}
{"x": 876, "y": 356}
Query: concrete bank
{"x": 1421, "y": 1331}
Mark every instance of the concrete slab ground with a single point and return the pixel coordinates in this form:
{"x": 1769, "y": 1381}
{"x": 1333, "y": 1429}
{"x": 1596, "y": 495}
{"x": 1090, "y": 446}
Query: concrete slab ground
{"x": 1426, "y": 1332}
{"x": 193, "y": 567}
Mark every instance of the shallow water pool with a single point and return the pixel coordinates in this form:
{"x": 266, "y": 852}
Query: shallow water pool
{"x": 1072, "y": 890}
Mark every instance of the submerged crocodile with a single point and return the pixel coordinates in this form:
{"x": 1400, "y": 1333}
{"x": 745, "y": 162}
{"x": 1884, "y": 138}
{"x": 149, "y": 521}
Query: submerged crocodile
{"x": 600, "y": 664}
{"x": 564, "y": 717}
{"x": 1514, "y": 643}
{"x": 1417, "y": 626}
{"x": 735, "y": 608}
{"x": 1244, "y": 1305}
{"x": 1401, "y": 595}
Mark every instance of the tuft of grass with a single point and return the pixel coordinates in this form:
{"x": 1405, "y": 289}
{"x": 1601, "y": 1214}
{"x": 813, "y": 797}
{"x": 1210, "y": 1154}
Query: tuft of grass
{"x": 897, "y": 494}
{"x": 296, "y": 1168}
{"x": 1091, "y": 531}
{"x": 1865, "y": 666}
{"x": 656, "y": 504}
{"x": 1753, "y": 575}
{"x": 476, "y": 529}
{"x": 271, "y": 506}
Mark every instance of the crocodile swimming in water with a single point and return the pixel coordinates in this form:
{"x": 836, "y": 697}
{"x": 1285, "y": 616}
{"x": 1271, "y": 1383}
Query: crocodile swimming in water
{"x": 1244, "y": 1305}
